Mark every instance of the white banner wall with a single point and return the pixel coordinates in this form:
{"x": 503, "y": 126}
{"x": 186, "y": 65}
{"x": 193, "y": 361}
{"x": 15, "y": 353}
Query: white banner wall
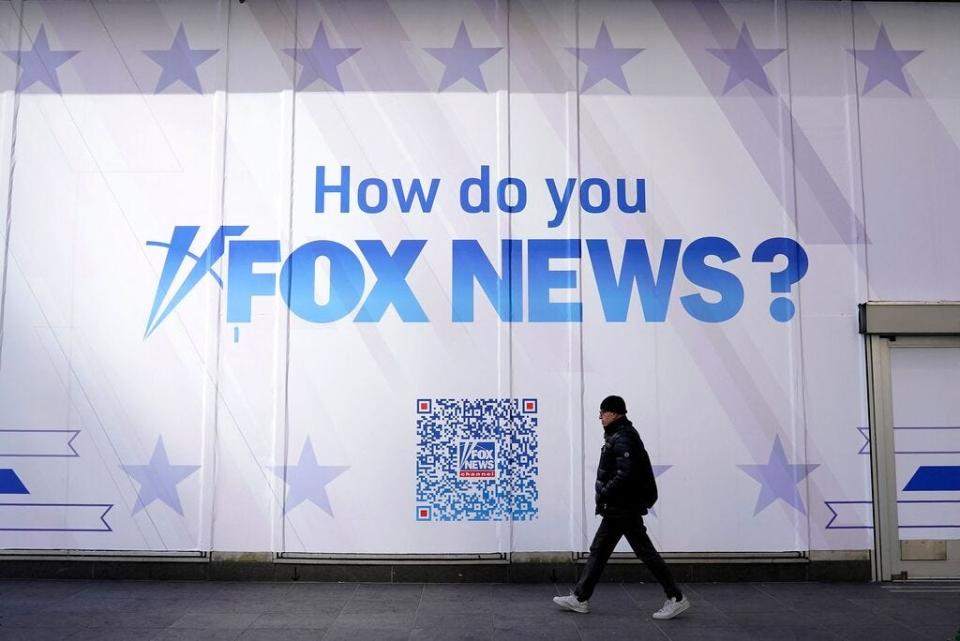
{"x": 352, "y": 278}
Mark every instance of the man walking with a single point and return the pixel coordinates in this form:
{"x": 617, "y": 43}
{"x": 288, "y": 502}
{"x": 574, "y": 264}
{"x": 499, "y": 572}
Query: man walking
{"x": 625, "y": 490}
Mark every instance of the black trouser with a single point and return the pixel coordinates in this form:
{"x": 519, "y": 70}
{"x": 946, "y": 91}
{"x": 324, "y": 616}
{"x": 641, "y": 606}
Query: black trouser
{"x": 606, "y": 539}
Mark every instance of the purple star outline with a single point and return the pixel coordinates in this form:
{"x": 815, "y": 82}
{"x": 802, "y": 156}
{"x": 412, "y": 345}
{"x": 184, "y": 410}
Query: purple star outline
{"x": 158, "y": 479}
{"x": 179, "y": 62}
{"x": 746, "y": 62}
{"x": 603, "y": 60}
{"x": 39, "y": 64}
{"x": 320, "y": 60}
{"x": 885, "y": 63}
{"x": 463, "y": 60}
{"x": 308, "y": 480}
{"x": 778, "y": 479}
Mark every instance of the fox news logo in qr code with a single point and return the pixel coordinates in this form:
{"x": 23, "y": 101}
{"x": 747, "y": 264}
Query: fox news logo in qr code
{"x": 477, "y": 459}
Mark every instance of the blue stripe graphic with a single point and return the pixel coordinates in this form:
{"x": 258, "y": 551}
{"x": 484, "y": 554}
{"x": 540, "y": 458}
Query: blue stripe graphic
{"x": 932, "y": 478}
{"x": 10, "y": 483}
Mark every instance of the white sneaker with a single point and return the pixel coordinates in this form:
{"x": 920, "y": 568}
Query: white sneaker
{"x": 572, "y": 603}
{"x": 671, "y": 608}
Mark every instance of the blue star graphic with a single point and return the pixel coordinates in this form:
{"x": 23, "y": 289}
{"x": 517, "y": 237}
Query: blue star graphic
{"x": 885, "y": 63}
{"x": 320, "y": 60}
{"x": 308, "y": 480}
{"x": 180, "y": 62}
{"x": 778, "y": 479}
{"x": 39, "y": 64}
{"x": 604, "y": 60}
{"x": 660, "y": 469}
{"x": 158, "y": 479}
{"x": 657, "y": 471}
{"x": 746, "y": 62}
{"x": 463, "y": 60}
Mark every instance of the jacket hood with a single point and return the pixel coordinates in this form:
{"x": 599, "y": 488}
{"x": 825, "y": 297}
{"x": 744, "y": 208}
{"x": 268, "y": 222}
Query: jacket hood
{"x": 616, "y": 426}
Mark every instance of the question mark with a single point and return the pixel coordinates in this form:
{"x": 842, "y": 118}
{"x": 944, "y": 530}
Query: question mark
{"x": 782, "y": 308}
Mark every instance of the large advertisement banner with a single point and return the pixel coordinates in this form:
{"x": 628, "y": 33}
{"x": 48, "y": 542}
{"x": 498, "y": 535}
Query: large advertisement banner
{"x": 354, "y": 277}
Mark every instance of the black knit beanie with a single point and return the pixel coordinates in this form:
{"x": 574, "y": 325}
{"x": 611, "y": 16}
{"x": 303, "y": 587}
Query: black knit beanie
{"x": 613, "y": 404}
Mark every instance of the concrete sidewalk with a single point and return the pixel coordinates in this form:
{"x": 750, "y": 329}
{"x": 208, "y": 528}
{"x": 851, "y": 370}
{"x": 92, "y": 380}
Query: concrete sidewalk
{"x": 104, "y": 610}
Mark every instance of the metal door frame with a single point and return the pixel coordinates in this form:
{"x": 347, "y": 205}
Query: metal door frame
{"x": 889, "y": 326}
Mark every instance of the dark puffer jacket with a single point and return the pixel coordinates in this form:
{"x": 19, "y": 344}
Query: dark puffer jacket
{"x": 625, "y": 483}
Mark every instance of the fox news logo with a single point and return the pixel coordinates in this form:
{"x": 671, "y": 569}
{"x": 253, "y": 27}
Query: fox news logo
{"x": 247, "y": 275}
{"x": 478, "y": 460}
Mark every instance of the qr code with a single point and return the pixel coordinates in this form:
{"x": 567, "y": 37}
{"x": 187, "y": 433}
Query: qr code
{"x": 477, "y": 459}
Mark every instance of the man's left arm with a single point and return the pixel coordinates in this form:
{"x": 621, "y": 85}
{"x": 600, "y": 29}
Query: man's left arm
{"x": 625, "y": 463}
